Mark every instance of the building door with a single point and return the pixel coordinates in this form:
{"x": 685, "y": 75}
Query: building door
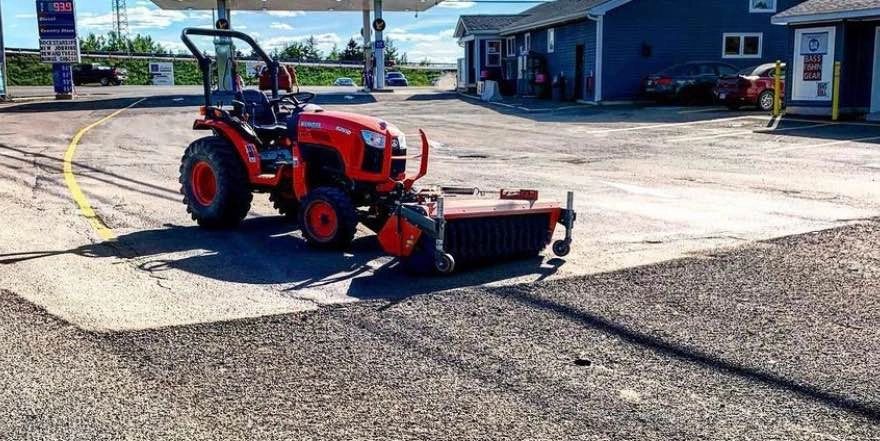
{"x": 579, "y": 72}
{"x": 875, "y": 88}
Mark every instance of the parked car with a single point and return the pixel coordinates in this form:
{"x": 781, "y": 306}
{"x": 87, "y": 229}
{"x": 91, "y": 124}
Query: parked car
{"x": 286, "y": 78}
{"x": 752, "y": 86}
{"x": 687, "y": 83}
{"x": 96, "y": 73}
{"x": 396, "y": 79}
{"x": 344, "y": 81}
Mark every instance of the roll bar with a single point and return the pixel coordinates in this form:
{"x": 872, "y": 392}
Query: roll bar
{"x": 205, "y": 61}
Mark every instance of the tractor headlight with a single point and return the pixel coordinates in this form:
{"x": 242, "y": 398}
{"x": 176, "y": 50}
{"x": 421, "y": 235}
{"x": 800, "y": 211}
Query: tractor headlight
{"x": 373, "y": 139}
{"x": 399, "y": 143}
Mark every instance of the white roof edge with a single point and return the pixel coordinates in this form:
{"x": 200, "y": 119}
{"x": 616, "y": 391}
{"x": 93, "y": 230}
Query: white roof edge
{"x": 570, "y": 17}
{"x": 828, "y": 16}
{"x": 607, "y": 6}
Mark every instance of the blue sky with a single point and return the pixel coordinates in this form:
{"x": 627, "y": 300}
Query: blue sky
{"x": 428, "y": 35}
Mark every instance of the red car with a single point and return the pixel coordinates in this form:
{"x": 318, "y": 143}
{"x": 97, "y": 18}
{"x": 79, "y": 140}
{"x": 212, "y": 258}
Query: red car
{"x": 752, "y": 86}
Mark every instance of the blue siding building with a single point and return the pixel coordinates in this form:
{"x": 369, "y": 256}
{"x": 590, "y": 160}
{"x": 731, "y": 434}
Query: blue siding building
{"x": 822, "y": 32}
{"x": 605, "y": 48}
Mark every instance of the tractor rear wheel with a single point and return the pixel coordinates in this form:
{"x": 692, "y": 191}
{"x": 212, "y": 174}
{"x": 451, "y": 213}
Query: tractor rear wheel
{"x": 285, "y": 203}
{"x": 328, "y": 218}
{"x": 214, "y": 183}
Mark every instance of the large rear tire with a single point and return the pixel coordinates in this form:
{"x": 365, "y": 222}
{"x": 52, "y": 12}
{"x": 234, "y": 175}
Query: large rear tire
{"x": 328, "y": 218}
{"x": 214, "y": 183}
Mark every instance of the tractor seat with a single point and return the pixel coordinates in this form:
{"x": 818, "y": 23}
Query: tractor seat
{"x": 270, "y": 132}
{"x": 258, "y": 108}
{"x": 261, "y": 115}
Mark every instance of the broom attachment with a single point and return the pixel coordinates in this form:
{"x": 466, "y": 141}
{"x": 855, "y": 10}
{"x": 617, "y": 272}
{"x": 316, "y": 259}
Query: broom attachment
{"x": 444, "y": 231}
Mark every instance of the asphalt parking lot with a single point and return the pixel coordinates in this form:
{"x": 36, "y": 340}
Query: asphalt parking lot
{"x": 680, "y": 313}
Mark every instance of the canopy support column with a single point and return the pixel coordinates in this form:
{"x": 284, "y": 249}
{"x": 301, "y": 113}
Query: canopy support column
{"x": 368, "y": 49}
{"x": 379, "y": 77}
{"x": 224, "y": 50}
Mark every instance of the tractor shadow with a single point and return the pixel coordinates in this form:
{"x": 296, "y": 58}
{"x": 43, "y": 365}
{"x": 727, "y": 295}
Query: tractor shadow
{"x": 270, "y": 251}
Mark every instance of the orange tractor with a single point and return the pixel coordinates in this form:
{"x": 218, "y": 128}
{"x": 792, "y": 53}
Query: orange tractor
{"x": 332, "y": 171}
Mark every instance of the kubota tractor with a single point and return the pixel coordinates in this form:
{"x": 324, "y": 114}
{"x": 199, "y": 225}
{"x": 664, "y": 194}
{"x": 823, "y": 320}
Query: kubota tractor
{"x": 331, "y": 171}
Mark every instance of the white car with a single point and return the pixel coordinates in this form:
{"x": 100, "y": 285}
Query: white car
{"x": 344, "y": 82}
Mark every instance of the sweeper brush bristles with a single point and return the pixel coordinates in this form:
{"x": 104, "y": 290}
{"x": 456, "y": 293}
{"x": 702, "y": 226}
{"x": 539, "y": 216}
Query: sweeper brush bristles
{"x": 488, "y": 239}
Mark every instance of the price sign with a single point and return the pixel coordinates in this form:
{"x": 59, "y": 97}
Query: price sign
{"x": 62, "y": 77}
{"x": 56, "y": 21}
{"x": 2, "y": 80}
{"x": 59, "y": 51}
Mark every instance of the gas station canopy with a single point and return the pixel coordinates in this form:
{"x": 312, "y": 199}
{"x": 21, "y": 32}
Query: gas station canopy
{"x": 299, "y": 5}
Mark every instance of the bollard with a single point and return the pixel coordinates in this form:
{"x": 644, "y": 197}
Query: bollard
{"x": 835, "y": 100}
{"x": 777, "y": 90}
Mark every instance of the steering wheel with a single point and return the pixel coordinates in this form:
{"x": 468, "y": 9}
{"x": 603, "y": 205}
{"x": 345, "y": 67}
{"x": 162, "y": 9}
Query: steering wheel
{"x": 297, "y": 99}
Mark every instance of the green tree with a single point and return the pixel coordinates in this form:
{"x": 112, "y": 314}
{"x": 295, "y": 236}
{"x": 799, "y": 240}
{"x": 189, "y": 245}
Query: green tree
{"x": 353, "y": 51}
{"x": 393, "y": 56}
{"x": 92, "y": 43}
{"x": 334, "y": 54}
{"x": 292, "y": 51}
{"x": 311, "y": 51}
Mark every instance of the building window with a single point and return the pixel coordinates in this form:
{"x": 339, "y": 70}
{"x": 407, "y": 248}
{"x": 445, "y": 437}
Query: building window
{"x": 527, "y": 45}
{"x": 551, "y": 40}
{"x": 743, "y": 45}
{"x": 493, "y": 53}
{"x": 762, "y": 5}
{"x": 511, "y": 46}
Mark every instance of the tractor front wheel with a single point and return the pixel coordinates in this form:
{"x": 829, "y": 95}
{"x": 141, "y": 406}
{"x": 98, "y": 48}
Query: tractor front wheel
{"x": 328, "y": 218}
{"x": 214, "y": 183}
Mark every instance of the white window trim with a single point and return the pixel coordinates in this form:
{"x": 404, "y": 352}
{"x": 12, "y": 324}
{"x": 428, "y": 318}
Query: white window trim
{"x": 527, "y": 42}
{"x": 742, "y": 37}
{"x": 486, "y": 58}
{"x": 755, "y": 10}
{"x": 551, "y": 40}
{"x": 510, "y": 51}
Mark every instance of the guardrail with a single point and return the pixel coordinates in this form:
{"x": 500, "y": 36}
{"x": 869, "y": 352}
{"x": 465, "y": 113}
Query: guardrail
{"x": 175, "y": 57}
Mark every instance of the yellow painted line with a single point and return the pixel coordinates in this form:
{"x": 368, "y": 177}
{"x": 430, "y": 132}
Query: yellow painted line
{"x": 70, "y": 179}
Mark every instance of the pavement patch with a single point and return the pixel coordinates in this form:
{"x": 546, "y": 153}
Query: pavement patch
{"x": 85, "y": 207}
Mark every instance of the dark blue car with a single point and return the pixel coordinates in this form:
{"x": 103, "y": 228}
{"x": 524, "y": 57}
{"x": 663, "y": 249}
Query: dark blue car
{"x": 396, "y": 79}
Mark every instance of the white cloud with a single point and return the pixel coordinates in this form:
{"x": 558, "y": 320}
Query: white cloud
{"x": 281, "y": 26}
{"x": 286, "y": 13}
{"x": 25, "y": 16}
{"x": 456, "y": 4}
{"x": 139, "y": 17}
{"x": 174, "y": 46}
{"x": 413, "y": 37}
{"x": 324, "y": 41}
{"x": 444, "y": 51}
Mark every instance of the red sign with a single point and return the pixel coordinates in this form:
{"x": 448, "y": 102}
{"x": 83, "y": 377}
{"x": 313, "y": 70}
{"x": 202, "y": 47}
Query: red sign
{"x": 813, "y": 67}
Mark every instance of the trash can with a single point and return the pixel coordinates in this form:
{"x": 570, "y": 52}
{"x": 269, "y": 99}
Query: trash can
{"x": 558, "y": 87}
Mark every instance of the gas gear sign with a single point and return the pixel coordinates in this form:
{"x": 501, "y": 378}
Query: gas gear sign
{"x": 814, "y": 64}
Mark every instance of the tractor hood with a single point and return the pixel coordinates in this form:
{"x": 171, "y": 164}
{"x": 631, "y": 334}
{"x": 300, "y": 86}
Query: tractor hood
{"x": 342, "y": 122}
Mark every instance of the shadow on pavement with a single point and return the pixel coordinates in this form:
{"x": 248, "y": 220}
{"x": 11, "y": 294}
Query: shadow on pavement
{"x": 824, "y": 131}
{"x": 666, "y": 348}
{"x": 265, "y": 250}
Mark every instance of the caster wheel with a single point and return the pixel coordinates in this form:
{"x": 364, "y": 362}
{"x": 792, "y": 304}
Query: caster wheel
{"x": 444, "y": 263}
{"x": 561, "y": 248}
